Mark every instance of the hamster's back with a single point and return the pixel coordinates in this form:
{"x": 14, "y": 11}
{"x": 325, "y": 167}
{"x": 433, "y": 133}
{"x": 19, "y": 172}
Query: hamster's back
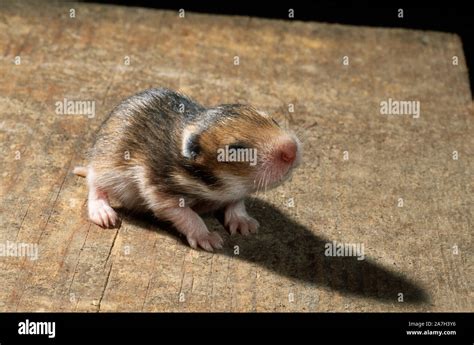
{"x": 148, "y": 120}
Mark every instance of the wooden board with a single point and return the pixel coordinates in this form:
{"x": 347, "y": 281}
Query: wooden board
{"x": 358, "y": 163}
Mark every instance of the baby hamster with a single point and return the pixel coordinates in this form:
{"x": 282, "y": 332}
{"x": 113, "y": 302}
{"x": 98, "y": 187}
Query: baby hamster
{"x": 161, "y": 151}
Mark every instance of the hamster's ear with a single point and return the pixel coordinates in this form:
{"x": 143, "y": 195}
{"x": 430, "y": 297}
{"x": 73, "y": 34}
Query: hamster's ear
{"x": 190, "y": 143}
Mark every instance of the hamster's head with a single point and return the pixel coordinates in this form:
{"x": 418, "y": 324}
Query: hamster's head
{"x": 240, "y": 150}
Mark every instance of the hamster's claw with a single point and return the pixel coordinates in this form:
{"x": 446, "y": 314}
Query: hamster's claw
{"x": 236, "y": 219}
{"x": 206, "y": 240}
{"x": 102, "y": 214}
{"x": 246, "y": 225}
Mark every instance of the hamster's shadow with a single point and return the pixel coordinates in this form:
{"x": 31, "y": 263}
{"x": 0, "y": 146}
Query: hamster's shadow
{"x": 289, "y": 249}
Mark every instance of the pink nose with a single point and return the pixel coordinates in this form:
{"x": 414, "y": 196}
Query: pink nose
{"x": 288, "y": 151}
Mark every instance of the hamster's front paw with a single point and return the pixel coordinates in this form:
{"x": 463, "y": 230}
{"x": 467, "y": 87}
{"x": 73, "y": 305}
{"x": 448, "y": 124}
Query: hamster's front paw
{"x": 236, "y": 219}
{"x": 206, "y": 240}
{"x": 243, "y": 223}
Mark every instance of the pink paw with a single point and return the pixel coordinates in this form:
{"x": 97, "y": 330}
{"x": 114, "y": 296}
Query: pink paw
{"x": 245, "y": 224}
{"x": 206, "y": 240}
{"x": 102, "y": 214}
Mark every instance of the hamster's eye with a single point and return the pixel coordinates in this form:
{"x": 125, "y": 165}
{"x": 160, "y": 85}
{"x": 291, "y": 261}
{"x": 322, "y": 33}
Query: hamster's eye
{"x": 274, "y": 121}
{"x": 195, "y": 150}
{"x": 238, "y": 145}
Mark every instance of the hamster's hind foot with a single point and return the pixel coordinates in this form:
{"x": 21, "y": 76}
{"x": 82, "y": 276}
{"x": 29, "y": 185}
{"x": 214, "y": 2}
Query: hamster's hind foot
{"x": 102, "y": 214}
{"x": 98, "y": 205}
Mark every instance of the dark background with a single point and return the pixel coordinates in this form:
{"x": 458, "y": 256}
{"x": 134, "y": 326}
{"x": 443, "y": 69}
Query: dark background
{"x": 455, "y": 17}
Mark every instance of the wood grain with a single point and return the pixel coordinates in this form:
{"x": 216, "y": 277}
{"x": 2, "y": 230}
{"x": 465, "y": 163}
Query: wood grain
{"x": 144, "y": 267}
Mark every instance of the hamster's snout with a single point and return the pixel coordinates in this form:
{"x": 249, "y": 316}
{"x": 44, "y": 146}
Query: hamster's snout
{"x": 287, "y": 151}
{"x": 284, "y": 156}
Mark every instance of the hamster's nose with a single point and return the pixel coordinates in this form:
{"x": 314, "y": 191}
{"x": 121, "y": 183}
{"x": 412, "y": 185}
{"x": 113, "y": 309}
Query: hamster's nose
{"x": 288, "y": 151}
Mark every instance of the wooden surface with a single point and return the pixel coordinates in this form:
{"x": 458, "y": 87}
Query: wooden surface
{"x": 141, "y": 266}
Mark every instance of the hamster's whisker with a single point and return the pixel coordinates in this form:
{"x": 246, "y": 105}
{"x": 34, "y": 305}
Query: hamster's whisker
{"x": 262, "y": 178}
{"x": 260, "y": 182}
{"x": 265, "y": 181}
